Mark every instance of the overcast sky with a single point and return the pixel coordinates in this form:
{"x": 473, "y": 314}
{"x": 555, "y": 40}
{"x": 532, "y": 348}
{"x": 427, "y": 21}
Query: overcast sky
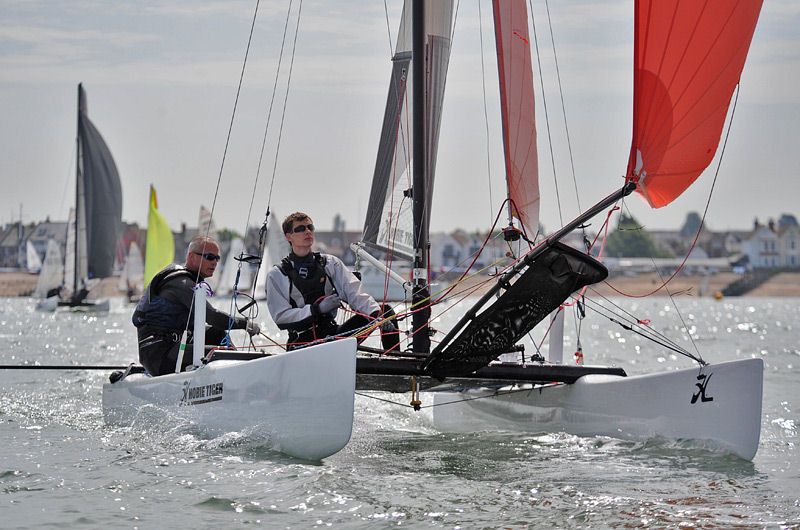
{"x": 161, "y": 80}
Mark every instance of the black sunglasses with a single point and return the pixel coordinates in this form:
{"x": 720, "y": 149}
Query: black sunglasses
{"x": 302, "y": 228}
{"x": 209, "y": 256}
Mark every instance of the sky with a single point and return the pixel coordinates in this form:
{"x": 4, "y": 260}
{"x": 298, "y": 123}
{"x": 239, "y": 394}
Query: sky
{"x": 161, "y": 82}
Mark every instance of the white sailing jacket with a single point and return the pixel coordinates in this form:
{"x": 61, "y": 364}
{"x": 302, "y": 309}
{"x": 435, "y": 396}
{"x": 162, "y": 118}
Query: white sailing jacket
{"x": 347, "y": 286}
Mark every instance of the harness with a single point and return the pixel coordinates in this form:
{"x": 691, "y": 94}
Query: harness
{"x": 312, "y": 288}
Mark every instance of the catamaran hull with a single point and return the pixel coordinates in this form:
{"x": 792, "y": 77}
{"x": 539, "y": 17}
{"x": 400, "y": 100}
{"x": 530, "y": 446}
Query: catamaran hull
{"x": 718, "y": 405}
{"x": 301, "y": 400}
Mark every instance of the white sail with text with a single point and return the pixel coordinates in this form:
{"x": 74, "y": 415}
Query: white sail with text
{"x": 388, "y": 226}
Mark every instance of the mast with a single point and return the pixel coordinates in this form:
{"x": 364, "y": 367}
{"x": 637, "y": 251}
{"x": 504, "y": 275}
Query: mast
{"x": 75, "y": 271}
{"x": 421, "y": 342}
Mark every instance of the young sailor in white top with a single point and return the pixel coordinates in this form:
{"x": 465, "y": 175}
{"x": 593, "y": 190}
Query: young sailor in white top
{"x": 305, "y": 291}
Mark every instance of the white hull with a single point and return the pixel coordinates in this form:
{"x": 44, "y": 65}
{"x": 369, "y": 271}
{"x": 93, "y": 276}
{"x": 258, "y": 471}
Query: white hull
{"x": 302, "y": 400}
{"x": 637, "y": 407}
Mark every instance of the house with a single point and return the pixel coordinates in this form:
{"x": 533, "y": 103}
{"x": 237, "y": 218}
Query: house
{"x": 12, "y": 244}
{"x": 761, "y": 246}
{"x": 789, "y": 242}
{"x": 45, "y": 231}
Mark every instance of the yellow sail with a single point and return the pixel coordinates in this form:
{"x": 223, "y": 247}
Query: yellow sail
{"x": 160, "y": 248}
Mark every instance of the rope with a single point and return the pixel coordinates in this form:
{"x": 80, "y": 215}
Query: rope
{"x": 485, "y": 113}
{"x": 563, "y": 107}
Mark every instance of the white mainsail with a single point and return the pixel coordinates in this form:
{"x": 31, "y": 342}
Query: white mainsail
{"x": 133, "y": 272}
{"x": 34, "y": 262}
{"x": 69, "y": 255}
{"x": 52, "y": 273}
{"x": 231, "y": 267}
{"x": 275, "y": 249}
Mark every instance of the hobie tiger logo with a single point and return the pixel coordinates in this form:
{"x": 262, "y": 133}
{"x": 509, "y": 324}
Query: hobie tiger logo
{"x": 197, "y": 395}
{"x": 702, "y": 385}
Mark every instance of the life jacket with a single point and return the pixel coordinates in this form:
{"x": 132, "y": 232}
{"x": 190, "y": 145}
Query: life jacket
{"x": 312, "y": 288}
{"x": 152, "y": 310}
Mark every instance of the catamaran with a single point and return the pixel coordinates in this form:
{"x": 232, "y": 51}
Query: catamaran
{"x": 687, "y": 62}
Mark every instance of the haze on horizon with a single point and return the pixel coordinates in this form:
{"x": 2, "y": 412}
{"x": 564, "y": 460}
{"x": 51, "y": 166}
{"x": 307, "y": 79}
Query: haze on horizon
{"x": 161, "y": 82}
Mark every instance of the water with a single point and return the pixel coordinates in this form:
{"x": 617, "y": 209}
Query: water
{"x": 59, "y": 465}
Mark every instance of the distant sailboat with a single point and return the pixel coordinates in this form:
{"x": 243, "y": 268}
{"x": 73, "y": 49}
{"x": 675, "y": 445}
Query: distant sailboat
{"x": 34, "y": 262}
{"x": 160, "y": 245}
{"x": 52, "y": 274}
{"x": 131, "y": 281}
{"x": 227, "y": 279}
{"x": 95, "y": 228}
{"x": 275, "y": 249}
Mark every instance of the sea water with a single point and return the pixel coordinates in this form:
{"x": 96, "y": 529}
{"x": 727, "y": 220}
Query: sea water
{"x": 61, "y": 466}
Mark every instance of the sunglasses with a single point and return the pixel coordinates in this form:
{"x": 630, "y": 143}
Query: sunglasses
{"x": 299, "y": 229}
{"x": 209, "y": 256}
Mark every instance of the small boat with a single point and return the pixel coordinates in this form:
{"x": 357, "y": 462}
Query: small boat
{"x": 33, "y": 262}
{"x": 51, "y": 278}
{"x": 94, "y": 225}
{"x": 131, "y": 280}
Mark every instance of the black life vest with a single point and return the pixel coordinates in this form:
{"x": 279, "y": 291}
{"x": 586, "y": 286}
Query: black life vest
{"x": 312, "y": 287}
{"x": 153, "y": 310}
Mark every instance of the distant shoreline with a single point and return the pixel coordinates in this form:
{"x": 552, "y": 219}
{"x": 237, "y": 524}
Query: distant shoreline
{"x": 786, "y": 284}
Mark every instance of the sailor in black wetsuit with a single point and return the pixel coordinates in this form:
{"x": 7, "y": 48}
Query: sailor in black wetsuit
{"x": 306, "y": 289}
{"x": 165, "y": 310}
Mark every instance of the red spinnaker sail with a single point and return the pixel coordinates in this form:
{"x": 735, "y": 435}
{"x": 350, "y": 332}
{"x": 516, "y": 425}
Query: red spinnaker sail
{"x": 518, "y": 108}
{"x": 688, "y": 58}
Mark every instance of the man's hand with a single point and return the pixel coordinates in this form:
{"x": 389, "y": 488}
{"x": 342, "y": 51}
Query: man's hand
{"x": 329, "y": 303}
{"x": 252, "y": 328}
{"x": 388, "y": 327}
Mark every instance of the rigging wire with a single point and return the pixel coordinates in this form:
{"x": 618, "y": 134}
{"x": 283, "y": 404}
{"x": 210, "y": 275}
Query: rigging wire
{"x": 225, "y": 150}
{"x": 388, "y": 28}
{"x": 286, "y": 95}
{"x": 546, "y": 118}
{"x": 268, "y": 121}
{"x": 263, "y": 148}
{"x": 485, "y": 113}
{"x": 563, "y": 107}
{"x": 637, "y": 326}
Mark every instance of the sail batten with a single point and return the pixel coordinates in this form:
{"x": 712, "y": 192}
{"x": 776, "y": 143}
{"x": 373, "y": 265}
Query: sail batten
{"x": 688, "y": 58}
